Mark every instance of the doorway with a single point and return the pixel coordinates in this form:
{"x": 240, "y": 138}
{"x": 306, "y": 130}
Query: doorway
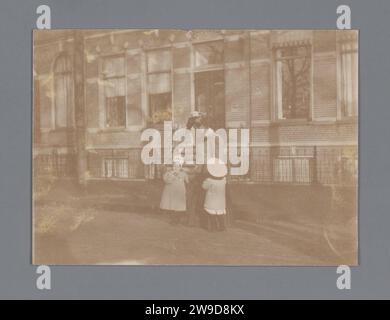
{"x": 210, "y": 96}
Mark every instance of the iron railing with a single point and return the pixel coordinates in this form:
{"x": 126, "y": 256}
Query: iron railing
{"x": 328, "y": 165}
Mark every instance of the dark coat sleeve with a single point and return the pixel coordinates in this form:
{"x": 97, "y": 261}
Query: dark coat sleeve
{"x": 229, "y": 205}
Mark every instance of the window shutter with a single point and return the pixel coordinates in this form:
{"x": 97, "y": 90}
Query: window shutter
{"x": 324, "y": 75}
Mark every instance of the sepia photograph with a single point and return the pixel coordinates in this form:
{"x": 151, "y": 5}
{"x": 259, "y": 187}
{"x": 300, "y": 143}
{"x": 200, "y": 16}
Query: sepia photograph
{"x": 195, "y": 147}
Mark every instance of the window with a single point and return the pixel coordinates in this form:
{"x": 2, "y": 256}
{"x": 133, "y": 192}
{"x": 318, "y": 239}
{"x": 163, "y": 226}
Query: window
{"x": 160, "y": 107}
{"x": 293, "y": 164}
{"x": 208, "y": 53}
{"x": 63, "y": 92}
{"x": 114, "y": 91}
{"x": 292, "y": 170}
{"x": 115, "y": 111}
{"x": 210, "y": 96}
{"x": 159, "y": 63}
{"x": 293, "y": 81}
{"x": 283, "y": 170}
{"x": 349, "y": 77}
{"x": 116, "y": 168}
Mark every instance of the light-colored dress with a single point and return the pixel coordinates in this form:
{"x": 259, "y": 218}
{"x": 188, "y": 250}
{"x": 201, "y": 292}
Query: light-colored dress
{"x": 174, "y": 193}
{"x": 215, "y": 200}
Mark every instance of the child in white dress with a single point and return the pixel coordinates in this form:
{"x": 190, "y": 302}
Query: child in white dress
{"x": 173, "y": 198}
{"x": 215, "y": 199}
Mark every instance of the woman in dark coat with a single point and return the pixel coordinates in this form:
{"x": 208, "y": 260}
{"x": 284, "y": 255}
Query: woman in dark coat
{"x": 196, "y": 173}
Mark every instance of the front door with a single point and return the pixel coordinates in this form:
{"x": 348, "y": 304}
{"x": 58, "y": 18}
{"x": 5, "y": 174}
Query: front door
{"x": 210, "y": 96}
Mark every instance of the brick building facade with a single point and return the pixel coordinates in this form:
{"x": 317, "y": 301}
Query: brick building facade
{"x": 297, "y": 91}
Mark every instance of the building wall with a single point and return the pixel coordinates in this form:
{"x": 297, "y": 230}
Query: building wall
{"x": 54, "y": 147}
{"x": 249, "y": 80}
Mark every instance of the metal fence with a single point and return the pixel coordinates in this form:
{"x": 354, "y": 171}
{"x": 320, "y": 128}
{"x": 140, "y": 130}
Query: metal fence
{"x": 55, "y": 165}
{"x": 305, "y": 164}
{"x": 336, "y": 165}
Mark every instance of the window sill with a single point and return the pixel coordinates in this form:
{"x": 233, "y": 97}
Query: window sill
{"x": 113, "y": 129}
{"x": 318, "y": 121}
{"x": 352, "y": 119}
{"x": 281, "y": 122}
{"x": 59, "y": 130}
{"x": 158, "y": 126}
{"x": 116, "y": 179}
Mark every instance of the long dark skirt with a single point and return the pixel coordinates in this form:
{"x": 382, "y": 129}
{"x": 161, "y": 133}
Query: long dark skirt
{"x": 195, "y": 201}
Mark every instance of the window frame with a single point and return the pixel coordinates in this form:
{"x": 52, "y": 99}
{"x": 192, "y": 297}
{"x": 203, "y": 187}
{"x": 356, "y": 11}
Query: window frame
{"x": 341, "y": 115}
{"x": 70, "y": 123}
{"x": 104, "y": 78}
{"x": 275, "y": 87}
{"x": 207, "y": 67}
{"x": 169, "y": 71}
{"x": 296, "y": 178}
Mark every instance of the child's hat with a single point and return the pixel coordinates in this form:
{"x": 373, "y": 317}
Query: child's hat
{"x": 216, "y": 167}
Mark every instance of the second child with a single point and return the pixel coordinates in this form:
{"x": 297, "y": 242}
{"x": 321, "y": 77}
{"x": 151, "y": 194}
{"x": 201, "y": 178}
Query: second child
{"x": 215, "y": 199}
